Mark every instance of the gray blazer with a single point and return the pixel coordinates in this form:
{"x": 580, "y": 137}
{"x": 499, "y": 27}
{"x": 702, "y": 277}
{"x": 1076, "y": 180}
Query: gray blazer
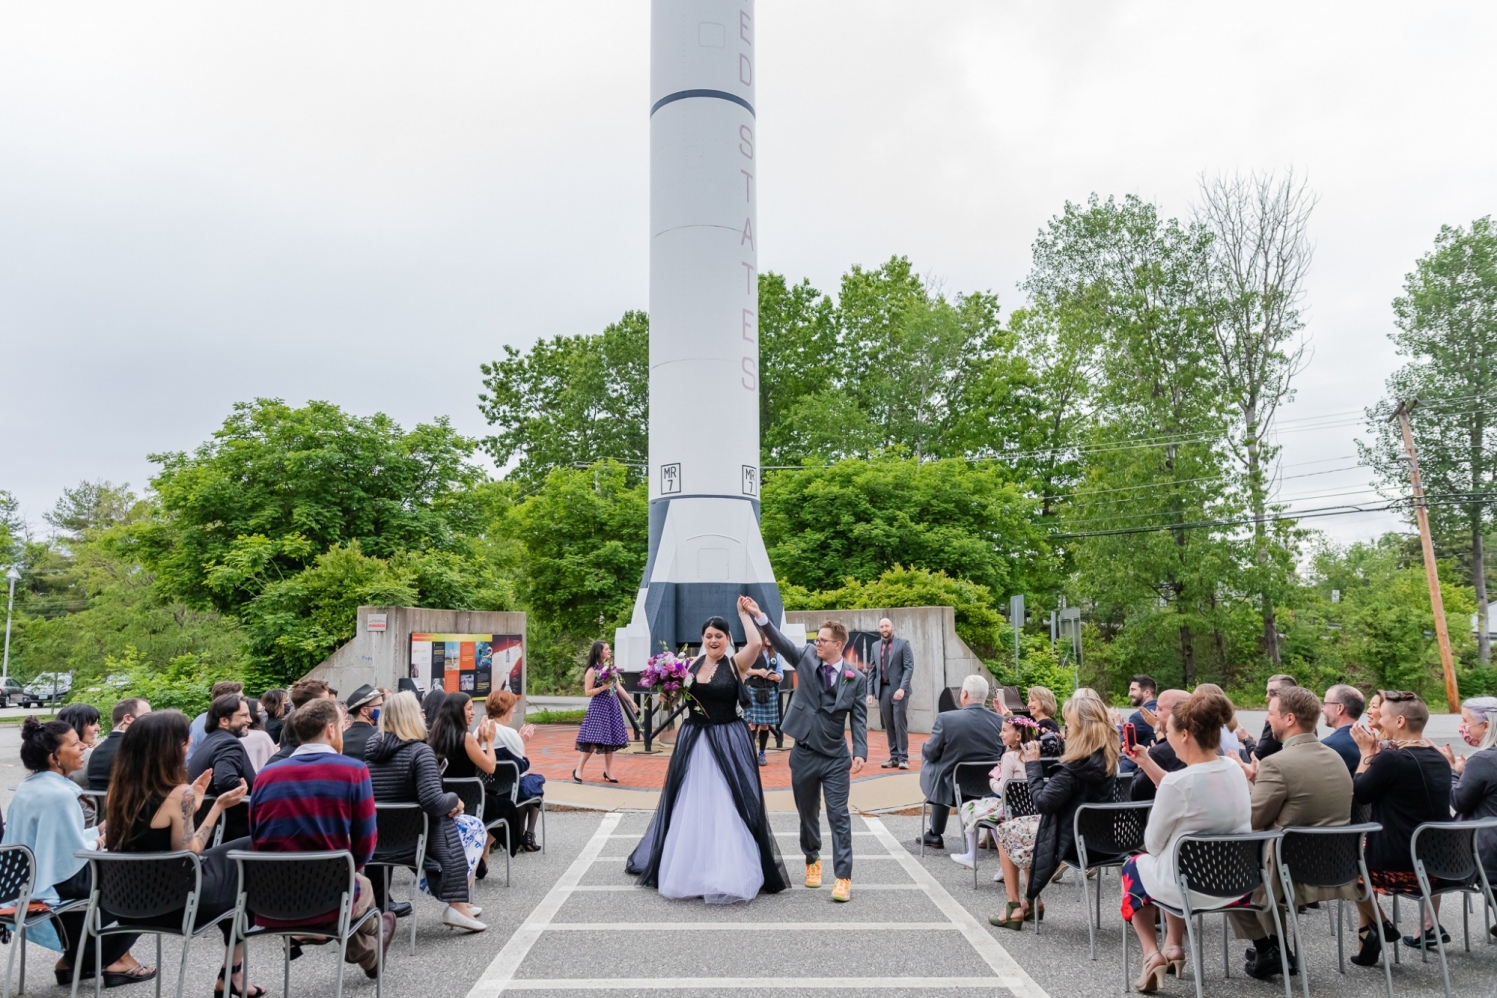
{"x": 818, "y": 716}
{"x": 901, "y": 665}
{"x": 966, "y": 735}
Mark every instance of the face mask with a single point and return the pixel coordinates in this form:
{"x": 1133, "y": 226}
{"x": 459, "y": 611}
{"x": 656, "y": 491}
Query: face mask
{"x": 374, "y": 714}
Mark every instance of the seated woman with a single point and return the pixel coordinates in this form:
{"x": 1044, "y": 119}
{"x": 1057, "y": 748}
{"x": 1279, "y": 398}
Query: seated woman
{"x": 1086, "y": 774}
{"x": 1017, "y": 732}
{"x": 510, "y": 744}
{"x": 1210, "y": 796}
{"x": 84, "y": 719}
{"x": 151, "y": 808}
{"x": 404, "y": 769}
{"x": 1475, "y": 792}
{"x": 468, "y": 752}
{"x": 46, "y": 817}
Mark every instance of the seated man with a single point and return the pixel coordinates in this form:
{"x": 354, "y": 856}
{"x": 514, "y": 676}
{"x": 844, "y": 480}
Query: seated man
{"x": 1143, "y": 787}
{"x": 300, "y": 694}
{"x": 319, "y": 800}
{"x": 1302, "y": 784}
{"x": 970, "y": 734}
{"x": 101, "y": 763}
{"x": 222, "y": 751}
{"x": 1407, "y": 781}
{"x": 1343, "y": 705}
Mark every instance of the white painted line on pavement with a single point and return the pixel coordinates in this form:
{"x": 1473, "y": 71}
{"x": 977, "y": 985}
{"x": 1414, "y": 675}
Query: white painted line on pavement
{"x": 825, "y": 833}
{"x": 713, "y": 983}
{"x": 623, "y": 888}
{"x": 858, "y": 857}
{"x": 992, "y": 952}
{"x": 752, "y": 926}
{"x": 501, "y": 971}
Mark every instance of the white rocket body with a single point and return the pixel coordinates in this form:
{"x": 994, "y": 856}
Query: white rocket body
{"x": 705, "y": 546}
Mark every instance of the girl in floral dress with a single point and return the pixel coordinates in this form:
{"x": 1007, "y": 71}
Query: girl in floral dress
{"x": 603, "y": 727}
{"x": 1016, "y": 732}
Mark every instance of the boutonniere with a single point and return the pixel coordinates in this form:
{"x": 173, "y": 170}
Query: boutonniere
{"x": 848, "y": 675}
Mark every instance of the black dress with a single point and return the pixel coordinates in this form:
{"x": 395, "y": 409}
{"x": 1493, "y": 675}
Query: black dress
{"x": 712, "y": 735}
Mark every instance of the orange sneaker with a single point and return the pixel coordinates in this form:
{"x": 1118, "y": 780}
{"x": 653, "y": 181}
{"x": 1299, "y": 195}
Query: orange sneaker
{"x": 842, "y": 889}
{"x": 813, "y": 874}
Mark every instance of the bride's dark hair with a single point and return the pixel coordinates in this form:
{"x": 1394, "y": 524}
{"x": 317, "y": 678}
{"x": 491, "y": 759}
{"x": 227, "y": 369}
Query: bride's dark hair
{"x": 720, "y": 624}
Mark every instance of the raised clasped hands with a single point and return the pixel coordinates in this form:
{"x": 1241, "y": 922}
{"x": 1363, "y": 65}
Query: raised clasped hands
{"x": 1367, "y": 742}
{"x": 527, "y": 731}
{"x": 200, "y": 785}
{"x": 747, "y": 605}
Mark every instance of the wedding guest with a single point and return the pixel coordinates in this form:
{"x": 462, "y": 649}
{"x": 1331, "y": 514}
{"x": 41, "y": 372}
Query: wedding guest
{"x": 1042, "y": 709}
{"x": 1374, "y": 717}
{"x": 510, "y": 744}
{"x": 200, "y": 723}
{"x": 45, "y": 816}
{"x": 1144, "y": 785}
{"x": 1407, "y": 782}
{"x": 1143, "y": 697}
{"x": 467, "y": 753}
{"x": 432, "y": 704}
{"x": 258, "y": 744}
{"x": 404, "y": 769}
{"x": 84, "y": 719}
{"x": 273, "y": 704}
{"x": 1267, "y": 744}
{"x": 1208, "y": 797}
{"x": 602, "y": 729}
{"x": 1235, "y": 737}
{"x": 762, "y": 715}
{"x": 1475, "y": 792}
{"x": 364, "y": 705}
{"x": 1017, "y": 732}
{"x": 222, "y": 751}
{"x": 301, "y": 694}
{"x": 970, "y": 734}
{"x": 151, "y": 808}
{"x": 101, "y": 762}
{"x": 1086, "y": 774}
{"x": 1343, "y": 706}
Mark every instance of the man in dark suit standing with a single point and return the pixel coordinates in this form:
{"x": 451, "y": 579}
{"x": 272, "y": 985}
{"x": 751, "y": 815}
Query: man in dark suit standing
{"x": 101, "y": 763}
{"x": 891, "y": 669}
{"x": 970, "y": 734}
{"x": 828, "y": 700}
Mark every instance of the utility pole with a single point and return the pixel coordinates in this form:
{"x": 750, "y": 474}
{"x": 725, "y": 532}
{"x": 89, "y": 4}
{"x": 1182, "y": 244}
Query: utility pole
{"x": 12, "y": 575}
{"x": 1421, "y": 515}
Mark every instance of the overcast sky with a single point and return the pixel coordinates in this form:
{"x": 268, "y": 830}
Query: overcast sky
{"x": 362, "y": 202}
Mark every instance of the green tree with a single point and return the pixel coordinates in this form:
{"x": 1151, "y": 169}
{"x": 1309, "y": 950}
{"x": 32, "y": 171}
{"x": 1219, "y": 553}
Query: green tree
{"x": 571, "y": 400}
{"x": 859, "y": 519}
{"x": 277, "y": 487}
{"x": 1447, "y": 326}
{"x": 799, "y": 360}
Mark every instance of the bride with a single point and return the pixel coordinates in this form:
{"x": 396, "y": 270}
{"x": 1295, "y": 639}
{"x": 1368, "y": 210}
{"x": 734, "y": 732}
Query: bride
{"x": 710, "y": 837}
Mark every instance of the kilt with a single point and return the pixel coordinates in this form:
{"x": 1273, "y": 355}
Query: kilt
{"x": 763, "y": 713}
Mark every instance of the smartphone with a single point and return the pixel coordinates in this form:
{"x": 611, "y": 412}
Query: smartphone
{"x": 1130, "y": 737}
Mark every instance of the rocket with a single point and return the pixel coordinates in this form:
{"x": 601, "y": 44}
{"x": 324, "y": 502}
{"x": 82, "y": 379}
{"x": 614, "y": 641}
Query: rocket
{"x": 705, "y": 548}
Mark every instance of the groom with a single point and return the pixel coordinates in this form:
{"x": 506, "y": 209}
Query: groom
{"x": 826, "y": 691}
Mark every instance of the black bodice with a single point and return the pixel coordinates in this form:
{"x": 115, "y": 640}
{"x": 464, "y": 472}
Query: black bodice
{"x": 716, "y": 701}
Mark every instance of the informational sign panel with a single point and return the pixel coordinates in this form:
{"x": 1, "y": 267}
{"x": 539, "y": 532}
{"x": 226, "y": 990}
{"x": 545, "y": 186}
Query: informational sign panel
{"x": 375, "y": 622}
{"x": 474, "y": 664}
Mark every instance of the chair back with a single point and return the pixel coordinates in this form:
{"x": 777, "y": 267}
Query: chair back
{"x": 93, "y": 800}
{"x": 17, "y": 879}
{"x": 1361, "y": 814}
{"x": 1324, "y": 856}
{"x": 1447, "y": 849}
{"x": 1108, "y": 832}
{"x": 469, "y": 790}
{"x": 401, "y": 831}
{"x": 969, "y": 780}
{"x": 506, "y": 779}
{"x": 294, "y": 887}
{"x": 141, "y": 885}
{"x": 1221, "y": 866}
{"x": 1018, "y": 802}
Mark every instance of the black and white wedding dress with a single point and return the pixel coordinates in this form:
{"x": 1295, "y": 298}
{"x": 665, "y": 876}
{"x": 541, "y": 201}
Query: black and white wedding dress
{"x": 710, "y": 837}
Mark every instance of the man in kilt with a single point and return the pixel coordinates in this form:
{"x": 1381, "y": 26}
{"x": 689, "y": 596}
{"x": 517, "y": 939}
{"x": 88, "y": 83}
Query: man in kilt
{"x": 763, "y": 712}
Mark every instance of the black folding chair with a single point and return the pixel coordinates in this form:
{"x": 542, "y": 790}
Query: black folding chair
{"x": 1446, "y": 851}
{"x": 308, "y": 891}
{"x": 470, "y": 791}
{"x": 93, "y": 806}
{"x": 1331, "y": 856}
{"x": 401, "y": 833}
{"x": 1106, "y": 836}
{"x": 1222, "y": 866}
{"x": 136, "y": 886}
{"x": 17, "y": 881}
{"x": 507, "y": 780}
{"x": 969, "y": 781}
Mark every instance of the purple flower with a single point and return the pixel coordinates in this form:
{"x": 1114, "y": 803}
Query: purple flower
{"x": 849, "y": 674}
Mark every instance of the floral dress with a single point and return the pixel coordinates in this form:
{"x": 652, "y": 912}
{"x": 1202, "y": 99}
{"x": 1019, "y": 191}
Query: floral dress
{"x": 991, "y": 808}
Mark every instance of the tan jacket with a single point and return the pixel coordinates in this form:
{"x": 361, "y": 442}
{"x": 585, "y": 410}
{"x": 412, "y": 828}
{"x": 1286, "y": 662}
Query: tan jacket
{"x": 1300, "y": 786}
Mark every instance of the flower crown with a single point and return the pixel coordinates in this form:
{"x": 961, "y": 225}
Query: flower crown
{"x": 1024, "y": 722}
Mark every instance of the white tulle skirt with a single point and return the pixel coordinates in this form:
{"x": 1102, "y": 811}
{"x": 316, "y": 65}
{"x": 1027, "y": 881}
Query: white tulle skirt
{"x": 709, "y": 852}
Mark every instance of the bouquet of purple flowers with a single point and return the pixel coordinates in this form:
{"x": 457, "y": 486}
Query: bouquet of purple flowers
{"x": 607, "y": 674}
{"x": 667, "y": 675}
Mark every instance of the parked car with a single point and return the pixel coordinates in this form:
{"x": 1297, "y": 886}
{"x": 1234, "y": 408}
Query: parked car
{"x": 11, "y": 692}
{"x": 49, "y": 687}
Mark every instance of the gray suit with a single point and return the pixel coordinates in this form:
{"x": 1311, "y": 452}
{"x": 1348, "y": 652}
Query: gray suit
{"x": 885, "y": 676}
{"x": 967, "y": 735}
{"x": 817, "y": 719}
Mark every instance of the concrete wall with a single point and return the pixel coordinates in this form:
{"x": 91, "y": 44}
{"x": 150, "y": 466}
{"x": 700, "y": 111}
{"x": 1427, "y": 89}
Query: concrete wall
{"x": 941, "y": 658}
{"x": 379, "y": 658}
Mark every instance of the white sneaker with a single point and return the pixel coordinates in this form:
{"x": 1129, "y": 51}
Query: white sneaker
{"x": 475, "y": 910}
{"x": 457, "y": 920}
{"x": 963, "y": 860}
{"x": 998, "y": 877}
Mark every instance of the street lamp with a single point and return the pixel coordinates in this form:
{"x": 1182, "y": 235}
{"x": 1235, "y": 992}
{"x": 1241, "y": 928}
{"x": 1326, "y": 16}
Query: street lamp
{"x": 12, "y": 575}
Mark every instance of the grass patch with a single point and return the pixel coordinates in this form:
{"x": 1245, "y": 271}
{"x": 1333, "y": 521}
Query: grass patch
{"x": 16, "y": 722}
{"x": 555, "y": 716}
